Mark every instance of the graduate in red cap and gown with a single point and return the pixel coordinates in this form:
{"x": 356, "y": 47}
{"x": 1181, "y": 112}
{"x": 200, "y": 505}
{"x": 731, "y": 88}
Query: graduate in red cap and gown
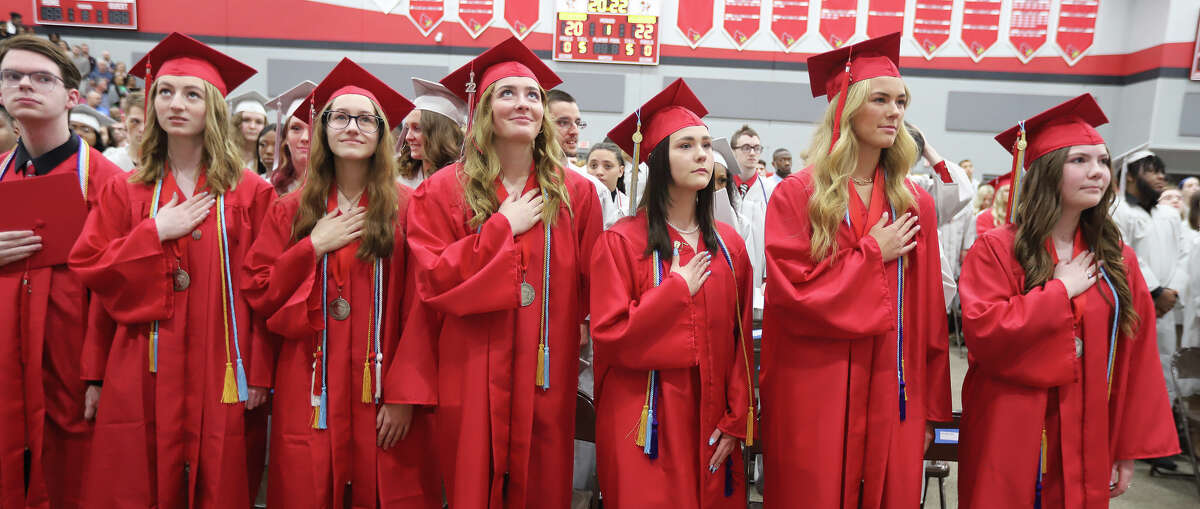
{"x": 162, "y": 253}
{"x": 854, "y": 346}
{"x": 672, "y": 291}
{"x": 501, "y": 242}
{"x": 1064, "y": 388}
{"x": 47, "y": 307}
{"x": 997, "y": 214}
{"x": 328, "y": 272}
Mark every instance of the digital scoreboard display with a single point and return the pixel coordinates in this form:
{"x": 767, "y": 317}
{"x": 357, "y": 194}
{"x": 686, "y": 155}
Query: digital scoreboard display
{"x": 607, "y": 31}
{"x": 79, "y": 13}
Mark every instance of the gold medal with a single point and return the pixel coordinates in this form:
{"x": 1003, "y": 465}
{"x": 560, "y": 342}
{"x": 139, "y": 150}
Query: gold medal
{"x": 181, "y": 279}
{"x": 527, "y": 294}
{"x": 340, "y": 309}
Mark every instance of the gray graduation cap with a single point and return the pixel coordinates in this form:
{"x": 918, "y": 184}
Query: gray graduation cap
{"x": 721, "y": 148}
{"x": 252, "y": 102}
{"x": 90, "y": 117}
{"x": 285, "y": 105}
{"x": 435, "y": 97}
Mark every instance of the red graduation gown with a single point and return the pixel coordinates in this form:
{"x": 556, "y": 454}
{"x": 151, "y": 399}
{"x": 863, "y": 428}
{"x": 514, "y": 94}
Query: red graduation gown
{"x": 1023, "y": 373}
{"x": 42, "y": 402}
{"x": 311, "y": 468}
{"x": 703, "y": 374}
{"x": 984, "y": 222}
{"x": 151, "y": 428}
{"x": 501, "y": 440}
{"x": 829, "y": 388}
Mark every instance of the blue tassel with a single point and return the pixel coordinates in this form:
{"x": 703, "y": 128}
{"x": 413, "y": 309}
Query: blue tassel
{"x": 903, "y": 409}
{"x": 323, "y": 419}
{"x": 653, "y": 443}
{"x": 243, "y": 387}
{"x": 546, "y": 370}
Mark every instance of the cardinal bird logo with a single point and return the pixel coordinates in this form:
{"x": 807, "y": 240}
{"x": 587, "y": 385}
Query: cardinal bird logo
{"x": 426, "y": 21}
{"x": 521, "y": 28}
{"x": 693, "y": 35}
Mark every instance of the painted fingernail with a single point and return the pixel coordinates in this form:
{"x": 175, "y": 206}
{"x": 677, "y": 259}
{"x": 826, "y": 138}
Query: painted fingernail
{"x": 676, "y": 250}
{"x": 712, "y": 441}
{"x": 712, "y": 469}
{"x": 708, "y": 273}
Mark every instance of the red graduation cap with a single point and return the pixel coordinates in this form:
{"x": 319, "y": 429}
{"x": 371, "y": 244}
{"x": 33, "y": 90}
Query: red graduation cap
{"x": 1001, "y": 181}
{"x": 180, "y": 55}
{"x": 672, "y": 109}
{"x": 505, "y": 60}
{"x": 348, "y": 77}
{"x": 832, "y": 72}
{"x": 1071, "y": 123}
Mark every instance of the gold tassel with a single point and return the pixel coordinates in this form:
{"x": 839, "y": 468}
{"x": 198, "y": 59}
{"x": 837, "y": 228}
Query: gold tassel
{"x": 750, "y": 426}
{"x": 230, "y": 393}
{"x": 539, "y": 379}
{"x": 316, "y": 417}
{"x": 367, "y": 396}
{"x": 640, "y": 439}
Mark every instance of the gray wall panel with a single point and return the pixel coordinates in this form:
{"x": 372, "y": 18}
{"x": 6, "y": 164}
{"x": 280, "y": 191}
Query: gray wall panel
{"x": 756, "y": 100}
{"x": 595, "y": 92}
{"x": 1189, "y": 115}
{"x": 284, "y": 74}
{"x": 992, "y": 112}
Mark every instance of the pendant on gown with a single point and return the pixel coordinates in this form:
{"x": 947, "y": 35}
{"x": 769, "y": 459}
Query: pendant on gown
{"x": 527, "y": 294}
{"x": 181, "y": 279}
{"x": 339, "y": 309}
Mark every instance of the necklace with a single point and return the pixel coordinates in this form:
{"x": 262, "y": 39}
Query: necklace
{"x": 863, "y": 181}
{"x": 689, "y": 231}
{"x": 350, "y": 202}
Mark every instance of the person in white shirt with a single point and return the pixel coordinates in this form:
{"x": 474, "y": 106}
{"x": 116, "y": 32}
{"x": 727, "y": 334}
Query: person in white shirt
{"x": 751, "y": 197}
{"x": 135, "y": 123}
{"x": 1155, "y": 232}
{"x": 781, "y": 161}
{"x": 564, "y": 112}
{"x": 605, "y": 162}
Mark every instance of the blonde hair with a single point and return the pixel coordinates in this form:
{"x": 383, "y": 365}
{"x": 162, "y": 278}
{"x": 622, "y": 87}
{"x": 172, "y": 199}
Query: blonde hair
{"x": 378, "y": 232}
{"x": 482, "y": 166}
{"x": 221, "y": 157}
{"x": 1000, "y": 206}
{"x": 831, "y": 170}
{"x": 985, "y": 190}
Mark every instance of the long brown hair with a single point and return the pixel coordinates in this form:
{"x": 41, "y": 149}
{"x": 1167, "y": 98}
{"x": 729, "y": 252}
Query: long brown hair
{"x": 443, "y": 144}
{"x": 831, "y": 170}
{"x": 481, "y": 166}
{"x": 222, "y": 159}
{"x": 286, "y": 172}
{"x": 378, "y": 233}
{"x": 657, "y": 200}
{"x": 1040, "y": 207}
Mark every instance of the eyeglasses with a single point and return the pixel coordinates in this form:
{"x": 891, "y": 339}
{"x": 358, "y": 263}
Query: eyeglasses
{"x": 750, "y": 149}
{"x": 564, "y": 123}
{"x": 41, "y": 81}
{"x": 366, "y": 123}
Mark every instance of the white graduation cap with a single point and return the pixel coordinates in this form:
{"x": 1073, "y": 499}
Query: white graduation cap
{"x": 285, "y": 105}
{"x": 435, "y": 97}
{"x": 252, "y": 102}
{"x": 1136, "y": 153}
{"x": 722, "y": 148}
{"x": 90, "y": 117}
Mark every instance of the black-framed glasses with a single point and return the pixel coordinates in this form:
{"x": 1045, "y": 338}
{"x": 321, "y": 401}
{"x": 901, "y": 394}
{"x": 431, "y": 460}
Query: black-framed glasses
{"x": 564, "y": 123}
{"x": 750, "y": 149}
{"x": 42, "y": 81}
{"x": 366, "y": 123}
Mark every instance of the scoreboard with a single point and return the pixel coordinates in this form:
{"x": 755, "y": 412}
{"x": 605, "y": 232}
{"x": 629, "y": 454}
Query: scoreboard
{"x": 607, "y": 31}
{"x": 83, "y": 13}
